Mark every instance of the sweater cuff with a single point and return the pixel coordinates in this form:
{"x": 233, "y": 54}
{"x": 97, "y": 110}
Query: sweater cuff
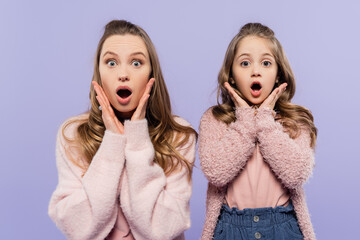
{"x": 112, "y": 145}
{"x": 265, "y": 119}
{"x": 137, "y": 134}
{"x": 244, "y": 120}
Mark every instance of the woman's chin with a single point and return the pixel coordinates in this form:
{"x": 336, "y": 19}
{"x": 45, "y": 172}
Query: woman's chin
{"x": 124, "y": 112}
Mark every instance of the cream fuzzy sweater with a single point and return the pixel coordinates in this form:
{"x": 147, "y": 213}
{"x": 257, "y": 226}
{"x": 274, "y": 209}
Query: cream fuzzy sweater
{"x": 121, "y": 174}
{"x": 225, "y": 149}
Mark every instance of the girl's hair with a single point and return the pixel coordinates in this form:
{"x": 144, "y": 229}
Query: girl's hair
{"x": 165, "y": 133}
{"x": 290, "y": 115}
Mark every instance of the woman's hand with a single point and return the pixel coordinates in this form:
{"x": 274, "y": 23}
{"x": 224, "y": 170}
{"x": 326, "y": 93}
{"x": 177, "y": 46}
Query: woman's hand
{"x": 238, "y": 101}
{"x": 270, "y": 101}
{"x": 111, "y": 122}
{"x": 141, "y": 108}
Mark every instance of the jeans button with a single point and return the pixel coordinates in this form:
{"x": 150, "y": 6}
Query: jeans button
{"x": 257, "y": 235}
{"x": 256, "y": 218}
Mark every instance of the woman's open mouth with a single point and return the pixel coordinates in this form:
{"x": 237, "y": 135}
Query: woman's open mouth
{"x": 123, "y": 94}
{"x": 256, "y": 88}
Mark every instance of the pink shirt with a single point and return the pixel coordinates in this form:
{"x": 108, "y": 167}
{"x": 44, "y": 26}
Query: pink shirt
{"x": 256, "y": 186}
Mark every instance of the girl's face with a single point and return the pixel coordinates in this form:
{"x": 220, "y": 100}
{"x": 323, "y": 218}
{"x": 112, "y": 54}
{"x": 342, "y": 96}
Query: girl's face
{"x": 124, "y": 71}
{"x": 254, "y": 69}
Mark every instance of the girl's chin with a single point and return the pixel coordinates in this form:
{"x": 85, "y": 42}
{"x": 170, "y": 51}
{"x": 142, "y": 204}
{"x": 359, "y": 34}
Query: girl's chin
{"x": 255, "y": 102}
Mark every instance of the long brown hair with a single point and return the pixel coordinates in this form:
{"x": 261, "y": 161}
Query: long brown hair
{"x": 165, "y": 133}
{"x": 291, "y": 115}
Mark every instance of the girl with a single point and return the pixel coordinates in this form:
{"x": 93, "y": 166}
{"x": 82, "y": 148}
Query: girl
{"x": 125, "y": 166}
{"x": 256, "y": 148}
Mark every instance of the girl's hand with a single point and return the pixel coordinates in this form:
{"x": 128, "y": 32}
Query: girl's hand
{"x": 111, "y": 122}
{"x": 141, "y": 108}
{"x": 238, "y": 101}
{"x": 270, "y": 101}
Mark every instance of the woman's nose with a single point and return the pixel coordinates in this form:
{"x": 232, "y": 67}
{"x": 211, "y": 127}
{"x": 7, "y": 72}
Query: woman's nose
{"x": 122, "y": 74}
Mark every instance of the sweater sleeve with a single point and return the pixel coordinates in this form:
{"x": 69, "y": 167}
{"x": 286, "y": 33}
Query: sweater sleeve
{"x": 86, "y": 207}
{"x": 292, "y": 160}
{"x": 225, "y": 149}
{"x": 156, "y": 206}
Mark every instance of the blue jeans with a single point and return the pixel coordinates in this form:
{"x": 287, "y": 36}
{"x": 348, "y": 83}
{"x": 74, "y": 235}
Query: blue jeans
{"x": 278, "y": 223}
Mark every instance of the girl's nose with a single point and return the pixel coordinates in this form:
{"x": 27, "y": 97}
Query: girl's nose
{"x": 255, "y": 71}
{"x": 123, "y": 78}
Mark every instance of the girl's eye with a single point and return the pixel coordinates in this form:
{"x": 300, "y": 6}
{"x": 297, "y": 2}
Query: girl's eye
{"x": 136, "y": 63}
{"x": 111, "y": 63}
{"x": 245, "y": 63}
{"x": 266, "y": 63}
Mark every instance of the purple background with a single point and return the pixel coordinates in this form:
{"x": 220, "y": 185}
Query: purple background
{"x": 47, "y": 50}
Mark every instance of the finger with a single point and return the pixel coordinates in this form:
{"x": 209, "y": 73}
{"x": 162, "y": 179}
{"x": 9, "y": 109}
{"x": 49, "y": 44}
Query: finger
{"x": 230, "y": 90}
{"x": 279, "y": 91}
{"x": 149, "y": 86}
{"x": 100, "y": 102}
{"x": 238, "y": 101}
{"x": 119, "y": 125}
{"x": 100, "y": 92}
{"x": 141, "y": 108}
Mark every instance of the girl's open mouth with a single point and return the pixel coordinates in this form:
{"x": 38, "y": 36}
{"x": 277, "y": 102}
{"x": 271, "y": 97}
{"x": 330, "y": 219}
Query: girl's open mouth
{"x": 256, "y": 88}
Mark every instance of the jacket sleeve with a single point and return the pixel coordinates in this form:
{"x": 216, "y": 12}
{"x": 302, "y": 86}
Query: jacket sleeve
{"x": 292, "y": 160}
{"x": 156, "y": 206}
{"x": 225, "y": 149}
{"x": 86, "y": 207}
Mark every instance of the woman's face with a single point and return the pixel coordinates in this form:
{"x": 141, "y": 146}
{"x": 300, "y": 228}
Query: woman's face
{"x": 125, "y": 69}
{"x": 254, "y": 69}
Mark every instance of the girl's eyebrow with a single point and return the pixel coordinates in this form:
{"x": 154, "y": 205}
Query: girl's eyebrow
{"x": 248, "y": 54}
{"x": 268, "y": 54}
{"x": 243, "y": 54}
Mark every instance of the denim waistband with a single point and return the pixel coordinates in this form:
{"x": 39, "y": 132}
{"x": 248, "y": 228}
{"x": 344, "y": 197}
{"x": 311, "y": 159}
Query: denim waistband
{"x": 250, "y": 217}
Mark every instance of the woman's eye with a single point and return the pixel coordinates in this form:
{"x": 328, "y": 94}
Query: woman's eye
{"x": 266, "y": 63}
{"x": 111, "y": 63}
{"x": 136, "y": 63}
{"x": 245, "y": 63}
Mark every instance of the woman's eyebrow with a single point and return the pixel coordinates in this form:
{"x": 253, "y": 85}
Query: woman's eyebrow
{"x": 138, "y": 53}
{"x": 109, "y": 52}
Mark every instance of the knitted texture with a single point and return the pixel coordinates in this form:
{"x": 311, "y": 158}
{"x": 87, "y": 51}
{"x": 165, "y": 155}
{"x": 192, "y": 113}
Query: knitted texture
{"x": 155, "y": 206}
{"x": 225, "y": 149}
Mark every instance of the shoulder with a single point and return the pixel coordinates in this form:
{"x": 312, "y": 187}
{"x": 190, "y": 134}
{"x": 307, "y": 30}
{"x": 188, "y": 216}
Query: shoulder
{"x": 67, "y": 132}
{"x": 208, "y": 117}
{"x": 186, "y": 134}
{"x": 67, "y": 146}
{"x": 69, "y": 127}
{"x": 181, "y": 121}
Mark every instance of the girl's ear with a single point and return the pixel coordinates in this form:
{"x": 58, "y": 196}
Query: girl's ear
{"x": 232, "y": 81}
{"x": 277, "y": 80}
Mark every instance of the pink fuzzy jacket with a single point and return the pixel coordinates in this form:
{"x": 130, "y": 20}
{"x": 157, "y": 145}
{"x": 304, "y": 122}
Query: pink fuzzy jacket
{"x": 225, "y": 149}
{"x": 121, "y": 174}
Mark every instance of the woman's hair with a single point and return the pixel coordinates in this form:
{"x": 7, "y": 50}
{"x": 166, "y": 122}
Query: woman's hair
{"x": 290, "y": 115}
{"x": 165, "y": 133}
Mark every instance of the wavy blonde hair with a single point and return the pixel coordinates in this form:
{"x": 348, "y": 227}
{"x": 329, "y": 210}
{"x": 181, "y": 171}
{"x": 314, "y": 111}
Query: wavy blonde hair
{"x": 166, "y": 134}
{"x": 290, "y": 115}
